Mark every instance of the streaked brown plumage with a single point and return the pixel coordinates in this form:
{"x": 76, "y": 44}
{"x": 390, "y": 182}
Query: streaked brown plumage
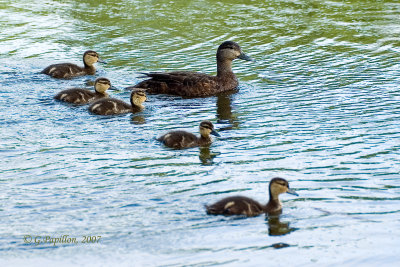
{"x": 182, "y": 139}
{"x": 193, "y": 84}
{"x": 69, "y": 70}
{"x": 239, "y": 205}
{"x": 82, "y": 96}
{"x": 113, "y": 106}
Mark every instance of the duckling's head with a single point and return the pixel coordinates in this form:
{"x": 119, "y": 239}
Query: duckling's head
{"x": 101, "y": 85}
{"x": 278, "y": 186}
{"x": 138, "y": 96}
{"x": 90, "y": 57}
{"x": 207, "y": 128}
{"x": 230, "y": 50}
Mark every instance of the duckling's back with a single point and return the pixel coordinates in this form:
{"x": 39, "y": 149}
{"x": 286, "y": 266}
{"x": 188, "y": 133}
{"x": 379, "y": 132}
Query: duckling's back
{"x": 63, "y": 70}
{"x": 236, "y": 205}
{"x": 179, "y": 139}
{"x": 78, "y": 96}
{"x": 109, "y": 106}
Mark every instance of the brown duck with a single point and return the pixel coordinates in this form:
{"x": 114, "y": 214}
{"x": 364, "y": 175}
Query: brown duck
{"x": 82, "y": 96}
{"x": 239, "y": 205}
{"x": 193, "y": 84}
{"x": 69, "y": 70}
{"x": 113, "y": 106}
{"x": 182, "y": 139}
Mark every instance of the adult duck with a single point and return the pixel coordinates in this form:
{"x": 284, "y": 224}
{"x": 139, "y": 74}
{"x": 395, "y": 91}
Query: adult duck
{"x": 194, "y": 84}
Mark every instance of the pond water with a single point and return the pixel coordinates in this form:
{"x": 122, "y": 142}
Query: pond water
{"x": 320, "y": 107}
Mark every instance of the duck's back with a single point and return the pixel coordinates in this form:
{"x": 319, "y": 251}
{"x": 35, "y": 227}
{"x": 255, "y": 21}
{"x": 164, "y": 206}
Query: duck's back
{"x": 64, "y": 70}
{"x": 179, "y": 139}
{"x": 78, "y": 96}
{"x": 109, "y": 106}
{"x": 236, "y": 205}
{"x": 182, "y": 83}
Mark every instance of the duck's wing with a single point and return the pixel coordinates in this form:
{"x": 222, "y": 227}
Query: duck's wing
{"x": 179, "y": 139}
{"x": 183, "y": 83}
{"x": 236, "y": 205}
{"x": 63, "y": 70}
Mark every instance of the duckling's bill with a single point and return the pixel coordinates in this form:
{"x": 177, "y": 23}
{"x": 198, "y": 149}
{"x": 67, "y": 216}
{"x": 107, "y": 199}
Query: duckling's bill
{"x": 101, "y": 61}
{"x": 213, "y": 132}
{"x": 292, "y": 192}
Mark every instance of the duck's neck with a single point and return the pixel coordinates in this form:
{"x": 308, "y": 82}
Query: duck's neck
{"x": 224, "y": 68}
{"x": 274, "y": 204}
{"x": 90, "y": 69}
{"x": 101, "y": 94}
{"x": 204, "y": 140}
{"x": 136, "y": 106}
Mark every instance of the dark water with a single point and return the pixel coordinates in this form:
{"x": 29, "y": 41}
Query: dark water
{"x": 320, "y": 107}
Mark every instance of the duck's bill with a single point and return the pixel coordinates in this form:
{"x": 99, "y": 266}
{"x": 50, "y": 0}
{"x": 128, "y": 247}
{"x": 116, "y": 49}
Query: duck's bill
{"x": 101, "y": 61}
{"x": 213, "y": 132}
{"x": 113, "y": 88}
{"x": 245, "y": 57}
{"x": 292, "y": 192}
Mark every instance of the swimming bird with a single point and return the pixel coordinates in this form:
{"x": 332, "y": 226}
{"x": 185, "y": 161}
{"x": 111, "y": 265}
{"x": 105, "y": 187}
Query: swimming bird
{"x": 194, "y": 84}
{"x": 83, "y": 96}
{"x": 69, "y": 70}
{"x": 239, "y": 205}
{"x": 182, "y": 139}
{"x": 113, "y": 106}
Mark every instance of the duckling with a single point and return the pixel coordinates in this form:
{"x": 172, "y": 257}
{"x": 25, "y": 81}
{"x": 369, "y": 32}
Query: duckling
{"x": 182, "y": 139}
{"x": 69, "y": 70}
{"x": 83, "y": 96}
{"x": 239, "y": 205}
{"x": 193, "y": 84}
{"x": 113, "y": 106}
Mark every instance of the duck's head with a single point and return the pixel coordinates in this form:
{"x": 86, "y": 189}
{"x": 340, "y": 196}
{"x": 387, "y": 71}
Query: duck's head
{"x": 101, "y": 85}
{"x": 278, "y": 186}
{"x": 230, "y": 50}
{"x": 207, "y": 128}
{"x": 138, "y": 96}
{"x": 90, "y": 57}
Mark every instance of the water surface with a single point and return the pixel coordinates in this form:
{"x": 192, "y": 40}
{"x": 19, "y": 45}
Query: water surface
{"x": 320, "y": 107}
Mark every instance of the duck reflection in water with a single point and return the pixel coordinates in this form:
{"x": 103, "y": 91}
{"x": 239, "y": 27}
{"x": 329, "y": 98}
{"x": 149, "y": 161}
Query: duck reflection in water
{"x": 224, "y": 111}
{"x": 206, "y": 156}
{"x": 276, "y": 227}
{"x": 138, "y": 119}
